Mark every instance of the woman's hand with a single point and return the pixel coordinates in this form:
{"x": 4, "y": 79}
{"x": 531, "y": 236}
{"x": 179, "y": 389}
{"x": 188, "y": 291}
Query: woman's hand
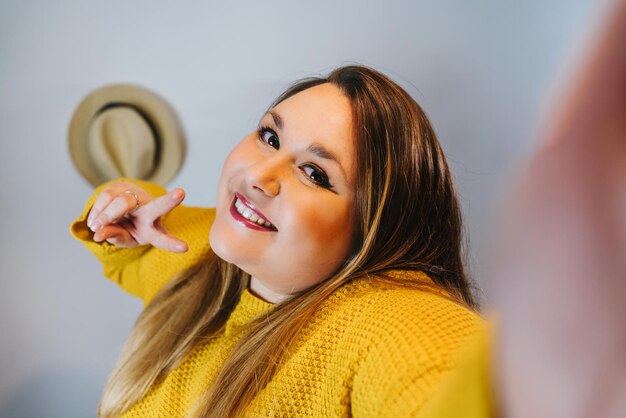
{"x": 127, "y": 216}
{"x": 559, "y": 264}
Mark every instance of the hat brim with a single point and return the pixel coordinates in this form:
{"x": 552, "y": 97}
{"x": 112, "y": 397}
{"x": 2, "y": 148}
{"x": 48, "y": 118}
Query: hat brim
{"x": 168, "y": 130}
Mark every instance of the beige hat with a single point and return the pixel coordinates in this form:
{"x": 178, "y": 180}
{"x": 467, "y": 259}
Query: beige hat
{"x": 123, "y": 130}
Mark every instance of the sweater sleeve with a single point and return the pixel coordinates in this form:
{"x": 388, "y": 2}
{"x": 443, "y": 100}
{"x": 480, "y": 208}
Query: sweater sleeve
{"x": 410, "y": 354}
{"x": 143, "y": 271}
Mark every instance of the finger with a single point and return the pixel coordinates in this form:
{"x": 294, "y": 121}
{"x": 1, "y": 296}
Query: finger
{"x": 115, "y": 235}
{"x": 103, "y": 199}
{"x": 161, "y": 238}
{"x": 162, "y": 205}
{"x": 107, "y": 195}
{"x": 123, "y": 204}
{"x": 120, "y": 242}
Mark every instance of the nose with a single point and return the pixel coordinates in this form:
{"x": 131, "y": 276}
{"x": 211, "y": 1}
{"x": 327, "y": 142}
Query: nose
{"x": 265, "y": 175}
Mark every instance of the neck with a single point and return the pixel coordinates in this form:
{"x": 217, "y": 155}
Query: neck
{"x": 258, "y": 289}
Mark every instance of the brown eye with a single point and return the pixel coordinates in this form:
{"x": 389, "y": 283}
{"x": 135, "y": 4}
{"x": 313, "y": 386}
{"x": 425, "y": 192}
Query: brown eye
{"x": 269, "y": 137}
{"x": 317, "y": 176}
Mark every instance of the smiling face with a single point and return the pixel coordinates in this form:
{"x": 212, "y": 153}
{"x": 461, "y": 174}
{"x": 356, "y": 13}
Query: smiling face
{"x": 285, "y": 203}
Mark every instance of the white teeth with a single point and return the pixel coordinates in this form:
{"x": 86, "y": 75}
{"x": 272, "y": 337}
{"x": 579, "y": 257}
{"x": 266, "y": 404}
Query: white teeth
{"x": 250, "y": 215}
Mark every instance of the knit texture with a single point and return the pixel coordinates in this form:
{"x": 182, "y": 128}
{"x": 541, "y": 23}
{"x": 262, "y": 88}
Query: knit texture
{"x": 370, "y": 350}
{"x": 466, "y": 392}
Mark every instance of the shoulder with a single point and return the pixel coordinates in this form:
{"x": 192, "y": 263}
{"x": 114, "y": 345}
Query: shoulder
{"x": 422, "y": 324}
{"x": 408, "y": 341}
{"x": 412, "y": 306}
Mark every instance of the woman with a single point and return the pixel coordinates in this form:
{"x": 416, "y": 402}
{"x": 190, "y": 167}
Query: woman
{"x": 331, "y": 283}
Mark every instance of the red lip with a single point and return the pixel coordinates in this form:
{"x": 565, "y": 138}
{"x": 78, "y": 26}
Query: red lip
{"x": 246, "y": 222}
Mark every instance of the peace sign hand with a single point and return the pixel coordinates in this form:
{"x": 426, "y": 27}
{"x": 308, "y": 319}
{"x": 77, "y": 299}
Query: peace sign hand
{"x": 125, "y": 215}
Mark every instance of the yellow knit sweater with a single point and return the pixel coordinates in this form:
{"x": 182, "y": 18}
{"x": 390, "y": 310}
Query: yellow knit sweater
{"x": 368, "y": 352}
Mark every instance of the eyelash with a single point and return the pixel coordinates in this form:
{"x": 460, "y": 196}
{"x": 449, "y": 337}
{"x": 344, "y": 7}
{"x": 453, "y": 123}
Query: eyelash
{"x": 323, "y": 182}
{"x": 264, "y": 130}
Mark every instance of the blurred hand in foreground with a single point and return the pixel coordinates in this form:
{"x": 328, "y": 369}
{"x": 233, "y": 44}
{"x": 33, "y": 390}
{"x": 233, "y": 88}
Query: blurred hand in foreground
{"x": 558, "y": 266}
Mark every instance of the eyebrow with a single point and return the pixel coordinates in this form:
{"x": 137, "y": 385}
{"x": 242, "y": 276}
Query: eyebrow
{"x": 322, "y": 152}
{"x": 278, "y": 121}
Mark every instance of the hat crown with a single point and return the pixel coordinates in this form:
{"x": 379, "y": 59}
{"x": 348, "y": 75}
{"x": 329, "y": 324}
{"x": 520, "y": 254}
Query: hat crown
{"x": 122, "y": 143}
{"x": 124, "y": 130}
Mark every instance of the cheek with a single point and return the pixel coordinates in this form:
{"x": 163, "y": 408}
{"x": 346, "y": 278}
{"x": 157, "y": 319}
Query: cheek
{"x": 222, "y": 185}
{"x": 235, "y": 163}
{"x": 325, "y": 231}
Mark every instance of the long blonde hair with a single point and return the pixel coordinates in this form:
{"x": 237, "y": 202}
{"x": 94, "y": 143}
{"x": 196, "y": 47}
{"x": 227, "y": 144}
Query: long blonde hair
{"x": 406, "y": 218}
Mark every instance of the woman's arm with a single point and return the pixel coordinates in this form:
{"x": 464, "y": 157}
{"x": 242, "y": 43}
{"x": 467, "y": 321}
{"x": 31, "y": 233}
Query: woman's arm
{"x": 594, "y": 95}
{"x": 559, "y": 262}
{"x": 142, "y": 270}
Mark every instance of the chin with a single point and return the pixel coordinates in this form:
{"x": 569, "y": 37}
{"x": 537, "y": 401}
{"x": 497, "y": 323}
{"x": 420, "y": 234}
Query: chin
{"x": 223, "y": 248}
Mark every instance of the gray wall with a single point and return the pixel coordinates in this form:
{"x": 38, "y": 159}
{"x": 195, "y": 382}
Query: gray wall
{"x": 480, "y": 68}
